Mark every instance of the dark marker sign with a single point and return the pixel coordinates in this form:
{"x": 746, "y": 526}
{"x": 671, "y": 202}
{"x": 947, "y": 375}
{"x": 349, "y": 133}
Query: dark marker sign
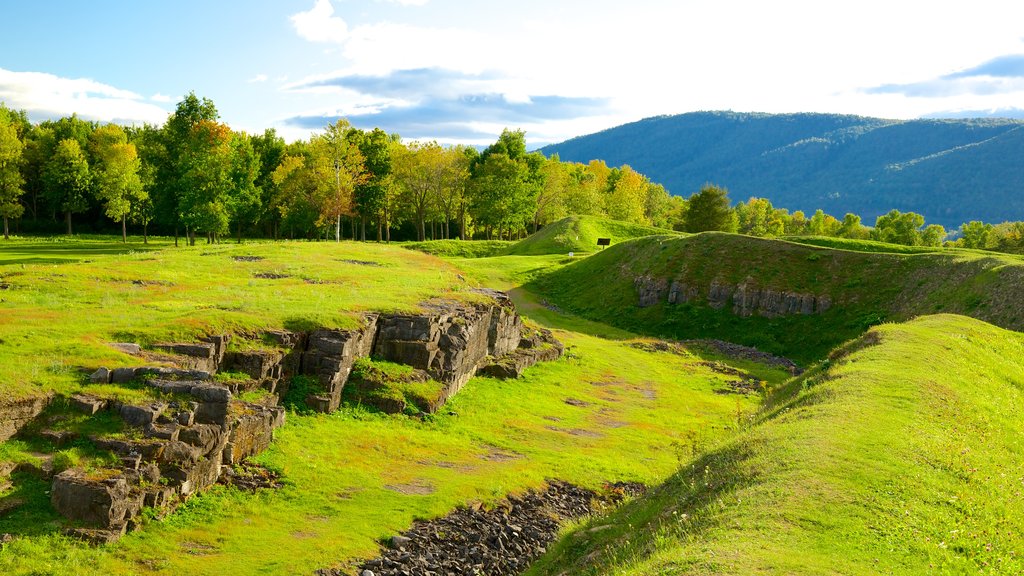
{"x": 604, "y": 241}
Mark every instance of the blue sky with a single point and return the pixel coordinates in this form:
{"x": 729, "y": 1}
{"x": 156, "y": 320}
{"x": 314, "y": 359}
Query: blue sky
{"x": 460, "y": 71}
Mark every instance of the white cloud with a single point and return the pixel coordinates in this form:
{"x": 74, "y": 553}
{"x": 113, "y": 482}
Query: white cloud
{"x": 45, "y": 96}
{"x": 158, "y": 97}
{"x": 319, "y": 24}
{"x": 258, "y": 78}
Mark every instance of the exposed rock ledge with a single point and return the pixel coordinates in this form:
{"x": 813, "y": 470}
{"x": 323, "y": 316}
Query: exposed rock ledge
{"x": 181, "y": 447}
{"x": 747, "y": 298}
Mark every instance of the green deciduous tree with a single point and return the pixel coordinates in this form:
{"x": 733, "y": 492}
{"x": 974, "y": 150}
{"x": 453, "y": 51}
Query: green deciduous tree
{"x": 757, "y": 217}
{"x": 899, "y": 228}
{"x": 709, "y": 210}
{"x": 68, "y": 180}
{"x": 11, "y": 181}
{"x": 976, "y": 234}
{"x": 627, "y": 197}
{"x": 116, "y": 174}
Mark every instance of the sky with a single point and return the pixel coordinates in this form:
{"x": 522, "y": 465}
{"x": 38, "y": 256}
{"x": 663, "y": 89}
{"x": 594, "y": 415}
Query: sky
{"x": 460, "y": 71}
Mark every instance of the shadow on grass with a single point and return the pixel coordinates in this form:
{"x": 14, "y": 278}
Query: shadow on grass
{"x": 28, "y": 508}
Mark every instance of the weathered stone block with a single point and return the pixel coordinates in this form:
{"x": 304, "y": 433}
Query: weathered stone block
{"x": 101, "y": 503}
{"x": 141, "y": 416}
{"x": 87, "y": 404}
{"x": 101, "y": 376}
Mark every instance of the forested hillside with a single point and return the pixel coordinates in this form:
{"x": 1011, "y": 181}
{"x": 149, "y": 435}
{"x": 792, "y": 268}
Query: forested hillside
{"x": 950, "y": 171}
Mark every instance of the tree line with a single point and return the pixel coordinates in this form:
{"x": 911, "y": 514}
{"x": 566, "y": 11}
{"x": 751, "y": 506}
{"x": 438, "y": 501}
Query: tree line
{"x": 196, "y": 177}
{"x": 711, "y": 209}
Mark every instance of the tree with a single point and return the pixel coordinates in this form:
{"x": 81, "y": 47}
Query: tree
{"x": 68, "y": 180}
{"x": 796, "y": 223}
{"x": 627, "y": 197}
{"x": 419, "y": 171}
{"x": 371, "y": 194}
{"x": 551, "y": 199}
{"x": 709, "y": 210}
{"x": 11, "y": 181}
{"x": 205, "y": 180}
{"x": 116, "y": 174}
{"x": 976, "y": 234}
{"x": 345, "y": 163}
{"x": 244, "y": 200}
{"x": 933, "y": 235}
{"x": 899, "y": 228}
{"x": 451, "y": 196}
{"x": 757, "y": 217}
{"x": 822, "y": 224}
{"x": 271, "y": 149}
{"x": 658, "y": 205}
{"x": 852, "y": 228}
{"x": 172, "y": 158}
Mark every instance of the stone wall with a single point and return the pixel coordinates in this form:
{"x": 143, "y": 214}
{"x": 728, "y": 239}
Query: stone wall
{"x": 746, "y": 299}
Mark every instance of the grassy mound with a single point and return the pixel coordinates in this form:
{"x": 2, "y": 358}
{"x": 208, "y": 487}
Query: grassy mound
{"x": 901, "y": 455}
{"x": 861, "y": 245}
{"x": 864, "y": 289}
{"x": 462, "y": 248}
{"x": 579, "y": 234}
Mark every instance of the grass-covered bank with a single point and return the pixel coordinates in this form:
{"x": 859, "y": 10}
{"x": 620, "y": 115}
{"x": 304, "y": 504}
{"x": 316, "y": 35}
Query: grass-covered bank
{"x": 865, "y": 288}
{"x": 901, "y": 455}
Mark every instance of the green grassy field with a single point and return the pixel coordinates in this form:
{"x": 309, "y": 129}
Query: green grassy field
{"x": 902, "y": 455}
{"x": 55, "y": 320}
{"x": 356, "y": 476}
{"x": 865, "y": 289}
{"x": 898, "y": 453}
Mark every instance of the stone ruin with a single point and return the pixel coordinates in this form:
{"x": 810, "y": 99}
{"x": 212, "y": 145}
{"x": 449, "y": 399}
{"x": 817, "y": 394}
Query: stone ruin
{"x": 177, "y": 448}
{"x": 747, "y": 298}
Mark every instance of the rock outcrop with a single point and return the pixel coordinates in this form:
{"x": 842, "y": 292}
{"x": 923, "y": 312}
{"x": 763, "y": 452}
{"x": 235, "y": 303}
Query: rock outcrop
{"x": 197, "y": 430}
{"x": 451, "y": 340}
{"x": 14, "y": 414}
{"x": 179, "y": 449}
{"x": 747, "y": 298}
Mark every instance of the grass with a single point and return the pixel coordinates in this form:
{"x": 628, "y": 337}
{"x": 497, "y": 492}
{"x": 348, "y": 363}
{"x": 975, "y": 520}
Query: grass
{"x": 901, "y": 455}
{"x": 55, "y": 320}
{"x": 861, "y": 245}
{"x": 579, "y": 234}
{"x": 899, "y": 451}
{"x": 462, "y": 248}
{"x": 865, "y": 289}
{"x": 357, "y": 476}
{"x": 67, "y": 249}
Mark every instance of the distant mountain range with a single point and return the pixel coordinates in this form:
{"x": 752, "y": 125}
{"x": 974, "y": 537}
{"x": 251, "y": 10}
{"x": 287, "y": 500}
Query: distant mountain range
{"x": 950, "y": 170}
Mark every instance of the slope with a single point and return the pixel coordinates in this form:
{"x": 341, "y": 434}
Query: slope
{"x": 952, "y": 171}
{"x": 786, "y": 298}
{"x": 902, "y": 455}
{"x": 579, "y": 234}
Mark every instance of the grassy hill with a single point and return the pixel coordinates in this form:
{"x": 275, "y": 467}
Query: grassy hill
{"x": 864, "y": 288}
{"x": 579, "y": 234}
{"x": 951, "y": 171}
{"x": 902, "y": 455}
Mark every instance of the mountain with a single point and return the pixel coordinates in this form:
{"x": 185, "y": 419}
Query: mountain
{"x": 950, "y": 170}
